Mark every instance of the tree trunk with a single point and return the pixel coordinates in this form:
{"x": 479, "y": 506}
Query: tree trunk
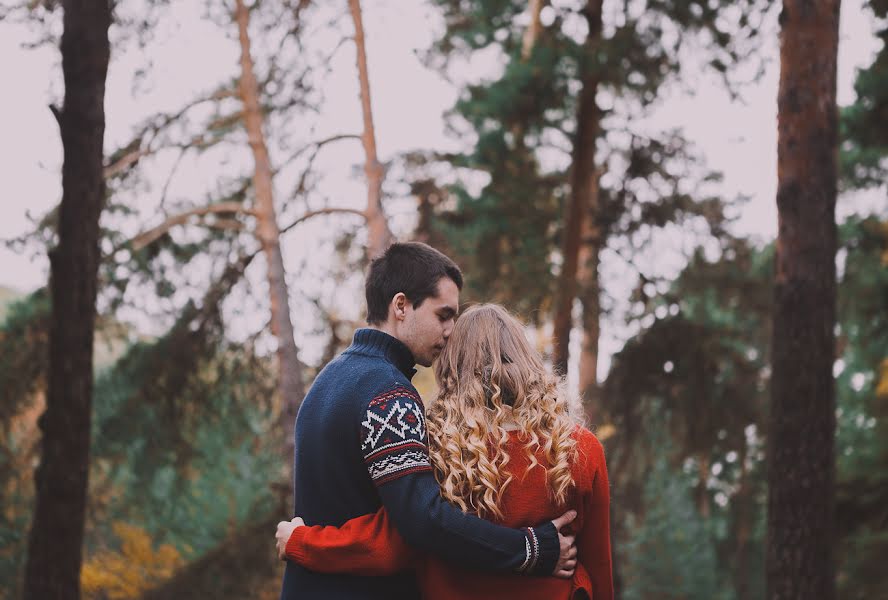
{"x": 704, "y": 506}
{"x": 52, "y": 568}
{"x": 532, "y": 33}
{"x": 378, "y": 234}
{"x": 528, "y": 43}
{"x": 590, "y": 299}
{"x": 290, "y": 382}
{"x": 580, "y": 234}
{"x": 801, "y": 467}
{"x": 744, "y": 503}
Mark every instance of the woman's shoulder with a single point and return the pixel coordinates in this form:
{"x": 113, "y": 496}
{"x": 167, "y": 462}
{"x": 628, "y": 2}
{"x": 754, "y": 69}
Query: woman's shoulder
{"x": 587, "y": 440}
{"x": 590, "y": 451}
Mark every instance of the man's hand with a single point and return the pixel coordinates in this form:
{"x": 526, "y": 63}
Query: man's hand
{"x": 567, "y": 562}
{"x": 285, "y": 530}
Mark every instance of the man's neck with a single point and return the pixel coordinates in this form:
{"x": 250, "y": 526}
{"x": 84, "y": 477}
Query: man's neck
{"x": 385, "y": 328}
{"x": 401, "y": 357}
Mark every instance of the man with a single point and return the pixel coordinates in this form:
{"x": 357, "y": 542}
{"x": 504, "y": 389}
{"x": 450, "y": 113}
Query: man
{"x": 361, "y": 441}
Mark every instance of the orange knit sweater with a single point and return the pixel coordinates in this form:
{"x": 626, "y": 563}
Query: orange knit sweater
{"x": 370, "y": 545}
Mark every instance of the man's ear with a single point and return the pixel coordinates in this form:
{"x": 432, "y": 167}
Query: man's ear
{"x": 399, "y": 305}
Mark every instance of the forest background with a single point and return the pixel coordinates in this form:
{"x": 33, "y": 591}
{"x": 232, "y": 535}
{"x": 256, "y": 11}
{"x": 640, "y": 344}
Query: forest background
{"x": 604, "y": 169}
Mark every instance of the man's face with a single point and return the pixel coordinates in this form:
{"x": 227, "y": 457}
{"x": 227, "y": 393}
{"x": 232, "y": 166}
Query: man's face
{"x": 425, "y": 329}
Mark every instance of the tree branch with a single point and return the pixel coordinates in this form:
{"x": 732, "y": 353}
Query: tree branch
{"x": 169, "y": 179}
{"x": 300, "y": 187}
{"x": 323, "y": 211}
{"x": 317, "y": 146}
{"x": 143, "y": 239}
{"x": 153, "y": 129}
{"x": 57, "y": 113}
{"x": 126, "y": 161}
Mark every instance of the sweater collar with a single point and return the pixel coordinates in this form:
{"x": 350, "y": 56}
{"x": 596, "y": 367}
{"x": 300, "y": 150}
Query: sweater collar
{"x": 378, "y": 343}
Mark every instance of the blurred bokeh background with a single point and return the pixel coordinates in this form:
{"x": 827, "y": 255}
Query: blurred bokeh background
{"x": 605, "y": 169}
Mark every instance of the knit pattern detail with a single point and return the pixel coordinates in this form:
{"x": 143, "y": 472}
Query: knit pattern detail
{"x": 532, "y": 551}
{"x": 393, "y": 436}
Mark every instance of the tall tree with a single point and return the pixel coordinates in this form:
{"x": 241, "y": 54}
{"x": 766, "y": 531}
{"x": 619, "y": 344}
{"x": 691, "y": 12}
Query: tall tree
{"x": 378, "y": 234}
{"x": 534, "y": 234}
{"x": 801, "y": 461}
{"x": 698, "y": 372}
{"x": 291, "y": 386}
{"x": 862, "y": 452}
{"x": 862, "y": 413}
{"x": 54, "y": 550}
{"x": 579, "y": 248}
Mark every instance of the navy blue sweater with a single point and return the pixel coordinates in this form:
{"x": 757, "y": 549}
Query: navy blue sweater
{"x": 361, "y": 444}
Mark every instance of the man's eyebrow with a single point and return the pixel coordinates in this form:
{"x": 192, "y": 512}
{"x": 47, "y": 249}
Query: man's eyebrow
{"x": 447, "y": 311}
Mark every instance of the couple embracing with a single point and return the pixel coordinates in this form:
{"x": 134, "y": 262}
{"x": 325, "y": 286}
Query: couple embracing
{"x": 491, "y": 490}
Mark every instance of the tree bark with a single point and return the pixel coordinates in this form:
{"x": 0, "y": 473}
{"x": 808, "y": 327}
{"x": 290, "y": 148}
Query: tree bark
{"x": 801, "y": 461}
{"x": 290, "y": 368}
{"x": 52, "y": 567}
{"x": 704, "y": 506}
{"x": 590, "y": 299}
{"x": 580, "y": 235}
{"x": 744, "y": 503}
{"x": 528, "y": 43}
{"x": 532, "y": 33}
{"x": 378, "y": 234}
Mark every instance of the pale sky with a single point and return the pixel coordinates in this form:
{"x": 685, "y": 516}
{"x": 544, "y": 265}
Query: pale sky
{"x": 737, "y": 138}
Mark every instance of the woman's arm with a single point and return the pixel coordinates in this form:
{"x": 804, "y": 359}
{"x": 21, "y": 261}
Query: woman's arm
{"x": 593, "y": 540}
{"x": 365, "y": 545}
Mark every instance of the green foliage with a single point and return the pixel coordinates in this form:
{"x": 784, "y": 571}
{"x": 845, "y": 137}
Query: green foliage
{"x": 500, "y": 237}
{"x": 702, "y": 357}
{"x": 508, "y": 235}
{"x": 864, "y": 124}
{"x": 180, "y": 423}
{"x": 670, "y": 553}
{"x": 711, "y": 332}
{"x": 24, "y": 351}
{"x": 862, "y": 417}
{"x": 862, "y": 385}
{"x": 7, "y": 297}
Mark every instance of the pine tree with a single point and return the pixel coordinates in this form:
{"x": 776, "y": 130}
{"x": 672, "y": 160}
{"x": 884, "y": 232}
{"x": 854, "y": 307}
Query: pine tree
{"x": 671, "y": 555}
{"x": 533, "y": 236}
{"x": 801, "y": 430}
{"x": 862, "y": 414}
{"x": 52, "y": 568}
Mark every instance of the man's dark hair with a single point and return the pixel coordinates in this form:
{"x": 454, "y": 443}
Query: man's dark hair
{"x": 410, "y": 267}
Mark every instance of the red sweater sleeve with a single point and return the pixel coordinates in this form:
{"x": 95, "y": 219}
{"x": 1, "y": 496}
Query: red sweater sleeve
{"x": 593, "y": 540}
{"x": 365, "y": 545}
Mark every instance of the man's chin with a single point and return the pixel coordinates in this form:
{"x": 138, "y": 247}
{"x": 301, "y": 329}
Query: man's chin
{"x": 427, "y": 361}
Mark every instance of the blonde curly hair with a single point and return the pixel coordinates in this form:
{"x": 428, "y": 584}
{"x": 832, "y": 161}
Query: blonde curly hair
{"x": 490, "y": 379}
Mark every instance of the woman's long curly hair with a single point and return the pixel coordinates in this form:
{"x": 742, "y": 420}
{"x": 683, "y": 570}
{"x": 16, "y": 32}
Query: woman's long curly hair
{"x": 490, "y": 378}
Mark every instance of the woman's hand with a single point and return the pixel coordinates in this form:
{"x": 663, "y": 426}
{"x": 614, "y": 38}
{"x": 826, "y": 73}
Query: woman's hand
{"x": 284, "y": 531}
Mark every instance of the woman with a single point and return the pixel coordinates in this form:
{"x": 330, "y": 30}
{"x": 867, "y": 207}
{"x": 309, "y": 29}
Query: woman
{"x": 504, "y": 446}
